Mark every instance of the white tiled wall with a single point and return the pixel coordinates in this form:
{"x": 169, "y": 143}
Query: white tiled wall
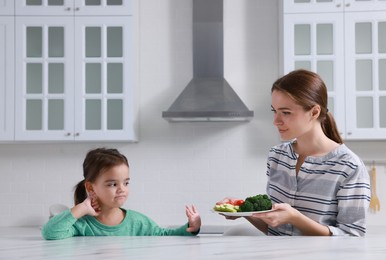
{"x": 172, "y": 164}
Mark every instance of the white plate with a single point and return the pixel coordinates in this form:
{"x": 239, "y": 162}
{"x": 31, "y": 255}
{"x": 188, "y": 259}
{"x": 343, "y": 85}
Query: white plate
{"x": 240, "y": 214}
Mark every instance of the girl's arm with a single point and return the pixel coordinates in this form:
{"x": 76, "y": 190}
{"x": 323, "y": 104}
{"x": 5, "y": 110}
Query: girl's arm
{"x": 62, "y": 226}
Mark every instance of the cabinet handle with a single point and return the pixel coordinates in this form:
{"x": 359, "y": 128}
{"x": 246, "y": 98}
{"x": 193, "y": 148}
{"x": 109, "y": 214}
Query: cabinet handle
{"x": 338, "y": 5}
{"x": 77, "y": 9}
{"x": 348, "y": 5}
{"x": 349, "y": 133}
{"x": 68, "y": 134}
{"x": 68, "y": 9}
{"x": 76, "y": 134}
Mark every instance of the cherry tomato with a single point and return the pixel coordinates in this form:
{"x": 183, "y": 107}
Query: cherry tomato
{"x": 237, "y": 202}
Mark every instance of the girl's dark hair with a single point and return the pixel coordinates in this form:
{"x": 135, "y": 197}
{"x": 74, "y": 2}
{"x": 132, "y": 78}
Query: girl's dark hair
{"x": 96, "y": 162}
{"x": 307, "y": 89}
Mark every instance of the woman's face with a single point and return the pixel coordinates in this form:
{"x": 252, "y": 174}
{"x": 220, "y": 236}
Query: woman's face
{"x": 290, "y": 118}
{"x": 111, "y": 188}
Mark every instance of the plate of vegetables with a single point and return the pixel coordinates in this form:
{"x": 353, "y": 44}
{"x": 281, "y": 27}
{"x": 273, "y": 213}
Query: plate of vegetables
{"x": 243, "y": 208}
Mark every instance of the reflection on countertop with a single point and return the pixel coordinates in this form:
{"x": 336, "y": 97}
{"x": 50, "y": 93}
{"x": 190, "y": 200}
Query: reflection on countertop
{"x": 27, "y": 243}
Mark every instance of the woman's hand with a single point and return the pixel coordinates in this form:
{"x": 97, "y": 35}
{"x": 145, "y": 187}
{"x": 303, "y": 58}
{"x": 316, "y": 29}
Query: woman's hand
{"x": 230, "y": 217}
{"x": 282, "y": 213}
{"x": 194, "y": 219}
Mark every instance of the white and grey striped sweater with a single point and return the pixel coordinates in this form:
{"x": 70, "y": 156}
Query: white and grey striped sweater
{"x": 333, "y": 190}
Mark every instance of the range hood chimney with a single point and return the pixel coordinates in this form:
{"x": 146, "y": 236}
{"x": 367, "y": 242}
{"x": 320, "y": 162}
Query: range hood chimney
{"x": 208, "y": 96}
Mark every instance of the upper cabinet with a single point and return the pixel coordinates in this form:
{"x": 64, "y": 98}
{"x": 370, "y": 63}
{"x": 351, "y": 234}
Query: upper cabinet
{"x": 331, "y": 6}
{"x": 365, "y": 81}
{"x": 7, "y": 7}
{"x": 73, "y": 7}
{"x": 68, "y": 77}
{"x": 6, "y": 78}
{"x": 347, "y": 48}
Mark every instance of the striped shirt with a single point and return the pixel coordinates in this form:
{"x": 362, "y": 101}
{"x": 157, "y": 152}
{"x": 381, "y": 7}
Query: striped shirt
{"x": 333, "y": 190}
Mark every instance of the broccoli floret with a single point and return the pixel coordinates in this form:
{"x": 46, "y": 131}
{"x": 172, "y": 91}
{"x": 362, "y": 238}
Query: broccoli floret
{"x": 246, "y": 206}
{"x": 256, "y": 203}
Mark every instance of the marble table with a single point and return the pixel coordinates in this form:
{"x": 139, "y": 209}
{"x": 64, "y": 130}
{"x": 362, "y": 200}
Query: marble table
{"x": 26, "y": 243}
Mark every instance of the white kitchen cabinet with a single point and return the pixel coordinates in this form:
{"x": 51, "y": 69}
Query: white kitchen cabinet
{"x": 73, "y": 7}
{"x": 314, "y": 42}
{"x": 365, "y": 66}
{"x": 75, "y": 76}
{"x": 7, "y": 7}
{"x": 6, "y": 78}
{"x": 331, "y": 6}
{"x": 331, "y": 44}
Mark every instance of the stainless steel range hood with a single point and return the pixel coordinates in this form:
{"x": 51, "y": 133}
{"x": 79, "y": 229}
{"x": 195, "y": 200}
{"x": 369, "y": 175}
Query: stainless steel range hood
{"x": 208, "y": 96}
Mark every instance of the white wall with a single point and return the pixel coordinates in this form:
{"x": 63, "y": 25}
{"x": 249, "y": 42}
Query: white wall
{"x": 172, "y": 164}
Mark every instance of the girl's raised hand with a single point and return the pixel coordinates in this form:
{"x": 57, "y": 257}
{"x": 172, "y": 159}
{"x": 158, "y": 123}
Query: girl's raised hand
{"x": 89, "y": 206}
{"x": 193, "y": 218}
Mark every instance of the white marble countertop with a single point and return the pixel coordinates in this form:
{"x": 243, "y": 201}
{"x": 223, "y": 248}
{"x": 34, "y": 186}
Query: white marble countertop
{"x": 27, "y": 243}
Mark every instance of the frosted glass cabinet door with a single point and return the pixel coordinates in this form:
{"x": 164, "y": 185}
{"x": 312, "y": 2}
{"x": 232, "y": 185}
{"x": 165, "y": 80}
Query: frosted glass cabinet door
{"x": 6, "y": 78}
{"x": 312, "y": 6}
{"x": 332, "y": 6}
{"x": 44, "y": 7}
{"x": 44, "y": 85}
{"x": 103, "y": 7}
{"x": 73, "y": 7}
{"x": 104, "y": 88}
{"x": 366, "y": 75}
{"x": 6, "y": 7}
{"x": 314, "y": 42}
{"x": 364, "y": 5}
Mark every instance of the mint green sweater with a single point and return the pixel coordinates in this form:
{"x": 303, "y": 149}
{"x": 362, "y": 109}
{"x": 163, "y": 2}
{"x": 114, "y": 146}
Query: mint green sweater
{"x": 65, "y": 225}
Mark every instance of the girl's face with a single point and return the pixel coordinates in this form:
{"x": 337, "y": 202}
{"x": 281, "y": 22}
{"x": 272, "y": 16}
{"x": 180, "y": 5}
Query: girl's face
{"x": 290, "y": 118}
{"x": 111, "y": 188}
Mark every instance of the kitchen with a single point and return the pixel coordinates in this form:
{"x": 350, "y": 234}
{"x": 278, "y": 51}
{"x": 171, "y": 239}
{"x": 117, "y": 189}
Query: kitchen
{"x": 174, "y": 164}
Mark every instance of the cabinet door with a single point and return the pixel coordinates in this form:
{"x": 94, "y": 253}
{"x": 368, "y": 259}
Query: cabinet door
{"x": 6, "y": 7}
{"x": 314, "y": 42}
{"x": 73, "y": 7}
{"x": 366, "y": 75}
{"x": 364, "y": 5}
{"x": 312, "y": 6}
{"x": 104, "y": 96}
{"x": 103, "y": 7}
{"x": 44, "y": 83}
{"x": 6, "y": 77}
{"x": 44, "y": 7}
{"x": 330, "y": 6}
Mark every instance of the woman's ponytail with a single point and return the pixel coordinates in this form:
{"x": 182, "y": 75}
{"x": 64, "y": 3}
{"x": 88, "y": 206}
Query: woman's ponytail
{"x": 330, "y": 128}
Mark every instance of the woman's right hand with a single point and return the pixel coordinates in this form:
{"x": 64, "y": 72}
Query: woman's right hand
{"x": 230, "y": 217}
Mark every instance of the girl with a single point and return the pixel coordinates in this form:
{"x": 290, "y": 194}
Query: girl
{"x": 318, "y": 186}
{"x": 98, "y": 201}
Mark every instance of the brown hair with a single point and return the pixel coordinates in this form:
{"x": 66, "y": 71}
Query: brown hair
{"x": 307, "y": 89}
{"x": 96, "y": 162}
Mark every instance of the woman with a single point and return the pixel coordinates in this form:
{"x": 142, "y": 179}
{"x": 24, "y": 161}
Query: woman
{"x": 318, "y": 186}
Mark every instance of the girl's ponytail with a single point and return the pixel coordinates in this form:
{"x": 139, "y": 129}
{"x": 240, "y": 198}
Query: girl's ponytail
{"x": 80, "y": 193}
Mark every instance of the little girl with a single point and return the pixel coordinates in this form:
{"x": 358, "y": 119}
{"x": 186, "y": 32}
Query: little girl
{"x": 98, "y": 201}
